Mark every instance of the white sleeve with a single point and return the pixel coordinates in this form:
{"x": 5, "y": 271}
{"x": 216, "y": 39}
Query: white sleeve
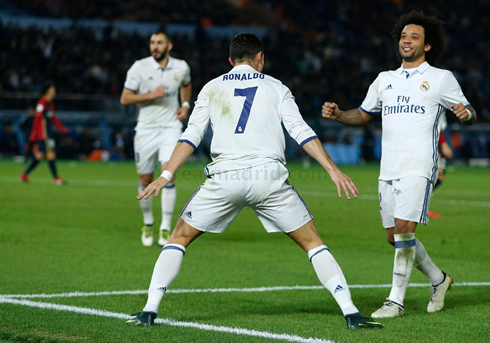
{"x": 451, "y": 93}
{"x": 198, "y": 121}
{"x": 132, "y": 80}
{"x": 292, "y": 119}
{"x": 187, "y": 77}
{"x": 372, "y": 103}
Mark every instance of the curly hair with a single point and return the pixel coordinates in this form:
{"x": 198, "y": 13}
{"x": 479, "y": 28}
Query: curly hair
{"x": 435, "y": 34}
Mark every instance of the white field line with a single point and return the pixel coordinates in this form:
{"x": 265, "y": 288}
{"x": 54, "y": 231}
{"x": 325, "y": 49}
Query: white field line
{"x": 206, "y": 327}
{"x": 329, "y": 192}
{"x": 219, "y": 290}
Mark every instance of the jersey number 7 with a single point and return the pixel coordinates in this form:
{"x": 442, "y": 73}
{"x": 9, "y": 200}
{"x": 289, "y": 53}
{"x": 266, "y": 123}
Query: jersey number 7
{"x": 249, "y": 94}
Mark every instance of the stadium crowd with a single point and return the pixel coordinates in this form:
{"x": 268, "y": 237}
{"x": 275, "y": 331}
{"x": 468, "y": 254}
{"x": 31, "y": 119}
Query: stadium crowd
{"x": 339, "y": 61}
{"x": 318, "y": 59}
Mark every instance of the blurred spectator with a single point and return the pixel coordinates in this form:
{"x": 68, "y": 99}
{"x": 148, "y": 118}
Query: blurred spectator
{"x": 317, "y": 59}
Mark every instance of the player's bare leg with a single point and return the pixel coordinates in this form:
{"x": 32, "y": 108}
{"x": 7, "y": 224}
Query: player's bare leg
{"x": 146, "y": 208}
{"x": 330, "y": 274}
{"x": 169, "y": 196}
{"x": 166, "y": 270}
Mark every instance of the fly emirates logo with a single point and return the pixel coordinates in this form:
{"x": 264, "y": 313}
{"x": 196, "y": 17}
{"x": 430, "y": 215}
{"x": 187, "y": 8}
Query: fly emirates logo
{"x": 403, "y": 106}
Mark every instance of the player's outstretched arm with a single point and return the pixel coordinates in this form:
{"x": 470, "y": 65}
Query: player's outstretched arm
{"x": 181, "y": 153}
{"x": 462, "y": 113}
{"x": 354, "y": 117}
{"x": 129, "y": 97}
{"x": 315, "y": 149}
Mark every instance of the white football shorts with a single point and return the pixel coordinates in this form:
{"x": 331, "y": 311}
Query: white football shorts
{"x": 407, "y": 198}
{"x": 153, "y": 147}
{"x": 264, "y": 188}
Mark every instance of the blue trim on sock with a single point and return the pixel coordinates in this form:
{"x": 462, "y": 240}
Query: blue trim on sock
{"x": 405, "y": 244}
{"x": 319, "y": 251}
{"x": 173, "y": 248}
{"x": 170, "y": 185}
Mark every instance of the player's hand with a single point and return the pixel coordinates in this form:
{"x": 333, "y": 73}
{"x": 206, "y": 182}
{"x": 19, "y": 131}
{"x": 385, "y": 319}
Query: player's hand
{"x": 330, "y": 110}
{"x": 154, "y": 187}
{"x": 344, "y": 182}
{"x": 182, "y": 113}
{"x": 157, "y": 92}
{"x": 460, "y": 111}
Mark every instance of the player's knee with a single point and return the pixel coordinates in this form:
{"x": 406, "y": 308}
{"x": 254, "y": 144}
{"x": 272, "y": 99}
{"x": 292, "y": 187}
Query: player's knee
{"x": 404, "y": 226}
{"x": 184, "y": 234}
{"x": 145, "y": 180}
{"x": 390, "y": 236}
{"x": 144, "y": 184}
{"x": 390, "y": 239}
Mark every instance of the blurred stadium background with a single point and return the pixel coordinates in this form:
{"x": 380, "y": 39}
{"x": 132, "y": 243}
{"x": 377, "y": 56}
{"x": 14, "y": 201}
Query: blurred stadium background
{"x": 85, "y": 237}
{"x": 322, "y": 50}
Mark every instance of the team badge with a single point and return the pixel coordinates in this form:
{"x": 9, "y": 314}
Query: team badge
{"x": 176, "y": 77}
{"x": 425, "y": 86}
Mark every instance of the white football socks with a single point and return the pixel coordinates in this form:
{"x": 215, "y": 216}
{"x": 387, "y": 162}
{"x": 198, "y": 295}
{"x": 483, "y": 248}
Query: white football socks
{"x": 330, "y": 275}
{"x": 169, "y": 195}
{"x": 424, "y": 263}
{"x": 402, "y": 267}
{"x": 166, "y": 270}
{"x": 146, "y": 207}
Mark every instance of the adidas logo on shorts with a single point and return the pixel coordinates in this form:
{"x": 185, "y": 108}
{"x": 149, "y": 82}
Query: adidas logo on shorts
{"x": 189, "y": 214}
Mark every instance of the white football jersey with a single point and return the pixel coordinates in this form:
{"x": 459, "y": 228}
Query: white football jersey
{"x": 246, "y": 109}
{"x": 144, "y": 76}
{"x": 412, "y": 106}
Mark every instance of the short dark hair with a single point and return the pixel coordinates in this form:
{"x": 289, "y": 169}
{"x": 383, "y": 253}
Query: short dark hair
{"x": 46, "y": 86}
{"x": 163, "y": 32}
{"x": 435, "y": 34}
{"x": 245, "y": 46}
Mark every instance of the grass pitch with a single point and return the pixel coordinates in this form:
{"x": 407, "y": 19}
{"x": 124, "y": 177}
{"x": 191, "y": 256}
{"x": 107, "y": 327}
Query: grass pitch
{"x": 84, "y": 237}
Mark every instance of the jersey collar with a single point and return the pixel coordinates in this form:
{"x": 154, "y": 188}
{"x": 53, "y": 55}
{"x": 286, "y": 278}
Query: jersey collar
{"x": 155, "y": 64}
{"x": 420, "y": 69}
{"x": 243, "y": 67}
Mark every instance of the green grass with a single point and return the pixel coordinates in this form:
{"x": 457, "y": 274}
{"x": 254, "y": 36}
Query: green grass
{"x": 85, "y": 237}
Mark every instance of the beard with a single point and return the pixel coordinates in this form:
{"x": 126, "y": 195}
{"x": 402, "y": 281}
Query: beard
{"x": 162, "y": 56}
{"x": 409, "y": 56}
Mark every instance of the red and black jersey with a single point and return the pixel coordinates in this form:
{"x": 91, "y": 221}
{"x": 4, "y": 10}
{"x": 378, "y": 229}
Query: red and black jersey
{"x": 44, "y": 120}
{"x": 442, "y": 139}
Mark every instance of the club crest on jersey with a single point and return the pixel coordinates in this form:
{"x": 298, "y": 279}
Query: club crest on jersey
{"x": 176, "y": 77}
{"x": 425, "y": 86}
